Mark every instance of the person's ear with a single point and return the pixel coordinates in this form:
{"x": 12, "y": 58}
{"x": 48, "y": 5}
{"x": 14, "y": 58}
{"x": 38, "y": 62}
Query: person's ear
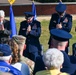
{"x": 66, "y": 44}
{"x": 10, "y": 60}
{"x": 24, "y": 47}
{"x": 61, "y": 66}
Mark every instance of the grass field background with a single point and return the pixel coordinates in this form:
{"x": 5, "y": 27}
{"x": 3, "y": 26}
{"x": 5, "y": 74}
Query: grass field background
{"x": 45, "y": 32}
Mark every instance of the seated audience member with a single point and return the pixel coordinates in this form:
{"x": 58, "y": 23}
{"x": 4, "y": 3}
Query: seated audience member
{"x": 53, "y": 60}
{"x": 59, "y": 41}
{"x": 5, "y": 60}
{"x": 4, "y": 38}
{"x": 17, "y": 44}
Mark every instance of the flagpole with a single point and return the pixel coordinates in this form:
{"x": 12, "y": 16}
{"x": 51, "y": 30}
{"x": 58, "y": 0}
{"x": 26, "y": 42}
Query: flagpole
{"x": 12, "y": 20}
{"x": 34, "y": 10}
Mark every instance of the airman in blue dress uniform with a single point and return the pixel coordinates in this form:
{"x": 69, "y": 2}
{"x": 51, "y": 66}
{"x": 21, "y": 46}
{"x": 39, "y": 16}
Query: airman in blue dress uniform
{"x": 61, "y": 20}
{"x": 31, "y": 29}
{"x": 62, "y": 36}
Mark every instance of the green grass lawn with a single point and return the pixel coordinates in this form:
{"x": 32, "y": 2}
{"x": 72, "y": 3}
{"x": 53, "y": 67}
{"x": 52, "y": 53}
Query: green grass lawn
{"x": 45, "y": 33}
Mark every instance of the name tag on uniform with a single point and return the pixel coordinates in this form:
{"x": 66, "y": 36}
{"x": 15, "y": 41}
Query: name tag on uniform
{"x": 54, "y": 21}
{"x": 23, "y": 28}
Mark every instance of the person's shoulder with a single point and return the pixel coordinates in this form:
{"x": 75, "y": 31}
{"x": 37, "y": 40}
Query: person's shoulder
{"x": 68, "y": 15}
{"x": 64, "y": 73}
{"x": 43, "y": 72}
{"x": 54, "y": 14}
{"x": 23, "y": 22}
{"x": 15, "y": 70}
{"x": 36, "y": 21}
{"x": 16, "y": 66}
{"x": 5, "y": 21}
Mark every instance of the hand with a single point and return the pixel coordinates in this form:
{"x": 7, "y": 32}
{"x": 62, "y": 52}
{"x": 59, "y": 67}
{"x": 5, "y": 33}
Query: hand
{"x": 59, "y": 26}
{"x": 29, "y": 28}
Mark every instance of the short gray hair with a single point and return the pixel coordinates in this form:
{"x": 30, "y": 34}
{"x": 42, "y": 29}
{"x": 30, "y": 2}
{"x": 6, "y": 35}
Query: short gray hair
{"x": 53, "y": 58}
{"x": 57, "y": 43}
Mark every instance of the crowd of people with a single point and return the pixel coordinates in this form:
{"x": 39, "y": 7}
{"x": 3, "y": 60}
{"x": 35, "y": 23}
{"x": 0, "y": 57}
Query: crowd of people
{"x": 21, "y": 54}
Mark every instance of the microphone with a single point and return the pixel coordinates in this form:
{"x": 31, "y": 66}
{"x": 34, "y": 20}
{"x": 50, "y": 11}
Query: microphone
{"x": 1, "y": 23}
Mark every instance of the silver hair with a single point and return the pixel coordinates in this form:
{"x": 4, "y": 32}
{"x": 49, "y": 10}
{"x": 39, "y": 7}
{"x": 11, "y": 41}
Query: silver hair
{"x": 2, "y": 13}
{"x": 53, "y": 58}
{"x": 5, "y": 57}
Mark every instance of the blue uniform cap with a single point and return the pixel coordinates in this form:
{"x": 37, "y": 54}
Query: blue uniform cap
{"x": 60, "y": 34}
{"x": 60, "y": 7}
{"x": 5, "y": 50}
{"x": 28, "y": 14}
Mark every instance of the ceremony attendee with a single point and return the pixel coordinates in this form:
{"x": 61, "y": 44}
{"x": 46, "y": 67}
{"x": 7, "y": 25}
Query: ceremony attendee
{"x": 53, "y": 60}
{"x": 31, "y": 29}
{"x": 59, "y": 41}
{"x": 4, "y": 38}
{"x": 20, "y": 62}
{"x": 61, "y": 20}
{"x": 5, "y": 60}
{"x": 4, "y": 23}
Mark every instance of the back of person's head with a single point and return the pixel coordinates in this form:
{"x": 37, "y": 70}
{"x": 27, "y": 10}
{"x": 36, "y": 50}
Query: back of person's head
{"x": 5, "y": 52}
{"x": 15, "y": 52}
{"x": 17, "y": 43}
{"x": 20, "y": 40}
{"x": 4, "y": 38}
{"x": 53, "y": 58}
{"x": 2, "y": 13}
{"x": 58, "y": 44}
{"x": 60, "y": 37}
